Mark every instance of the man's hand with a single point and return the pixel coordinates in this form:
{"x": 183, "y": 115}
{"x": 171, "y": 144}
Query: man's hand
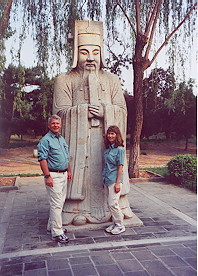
{"x": 117, "y": 187}
{"x": 69, "y": 173}
{"x": 69, "y": 176}
{"x": 49, "y": 181}
{"x": 96, "y": 111}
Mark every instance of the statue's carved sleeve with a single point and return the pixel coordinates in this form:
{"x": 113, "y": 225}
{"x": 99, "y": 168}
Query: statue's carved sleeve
{"x": 115, "y": 110}
{"x": 116, "y": 92}
{"x": 62, "y": 99}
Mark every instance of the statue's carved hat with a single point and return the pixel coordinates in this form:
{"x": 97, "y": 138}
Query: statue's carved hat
{"x": 88, "y": 33}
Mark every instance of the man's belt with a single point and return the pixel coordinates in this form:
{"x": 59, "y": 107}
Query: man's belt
{"x": 59, "y": 171}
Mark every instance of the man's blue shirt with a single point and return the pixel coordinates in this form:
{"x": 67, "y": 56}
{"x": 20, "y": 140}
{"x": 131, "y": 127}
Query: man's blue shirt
{"x": 55, "y": 150}
{"x": 113, "y": 157}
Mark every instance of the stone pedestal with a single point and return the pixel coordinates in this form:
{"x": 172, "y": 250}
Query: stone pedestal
{"x": 132, "y": 222}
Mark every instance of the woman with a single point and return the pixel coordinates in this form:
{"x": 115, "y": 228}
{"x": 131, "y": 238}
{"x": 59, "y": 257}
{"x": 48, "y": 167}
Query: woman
{"x": 113, "y": 176}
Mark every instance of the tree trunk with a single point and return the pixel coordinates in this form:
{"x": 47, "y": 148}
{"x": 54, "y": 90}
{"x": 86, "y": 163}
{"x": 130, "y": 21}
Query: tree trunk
{"x": 139, "y": 66}
{"x": 9, "y": 129}
{"x": 7, "y": 137}
{"x": 186, "y": 144}
{"x": 137, "y": 122}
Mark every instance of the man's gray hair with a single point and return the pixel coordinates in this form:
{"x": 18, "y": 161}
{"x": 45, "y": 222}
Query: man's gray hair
{"x": 54, "y": 116}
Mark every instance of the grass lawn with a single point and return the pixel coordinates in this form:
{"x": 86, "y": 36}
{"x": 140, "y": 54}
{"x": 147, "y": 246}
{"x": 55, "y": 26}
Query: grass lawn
{"x": 163, "y": 171}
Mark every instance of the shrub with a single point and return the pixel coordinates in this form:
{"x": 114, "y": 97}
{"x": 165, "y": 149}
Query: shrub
{"x": 183, "y": 169}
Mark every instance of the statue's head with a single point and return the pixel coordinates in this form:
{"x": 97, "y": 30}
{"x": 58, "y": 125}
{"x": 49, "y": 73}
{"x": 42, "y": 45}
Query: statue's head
{"x": 88, "y": 52}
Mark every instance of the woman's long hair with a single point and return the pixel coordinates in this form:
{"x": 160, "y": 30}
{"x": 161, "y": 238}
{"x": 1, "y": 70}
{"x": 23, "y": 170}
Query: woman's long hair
{"x": 119, "y": 140}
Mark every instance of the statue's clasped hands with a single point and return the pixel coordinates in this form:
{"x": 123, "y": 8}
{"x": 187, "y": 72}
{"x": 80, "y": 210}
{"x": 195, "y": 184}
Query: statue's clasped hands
{"x": 95, "y": 111}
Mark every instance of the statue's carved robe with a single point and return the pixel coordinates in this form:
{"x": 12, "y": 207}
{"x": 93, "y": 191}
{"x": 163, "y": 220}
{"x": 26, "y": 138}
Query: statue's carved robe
{"x": 84, "y": 136}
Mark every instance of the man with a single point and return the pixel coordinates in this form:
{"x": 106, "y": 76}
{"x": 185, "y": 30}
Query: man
{"x": 89, "y": 100}
{"x": 53, "y": 156}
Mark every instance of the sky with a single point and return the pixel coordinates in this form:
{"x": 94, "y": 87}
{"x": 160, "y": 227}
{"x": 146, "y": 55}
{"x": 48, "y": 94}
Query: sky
{"x": 28, "y": 59}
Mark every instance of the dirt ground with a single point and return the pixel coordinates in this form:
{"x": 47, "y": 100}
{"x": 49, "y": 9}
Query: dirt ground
{"x": 21, "y": 160}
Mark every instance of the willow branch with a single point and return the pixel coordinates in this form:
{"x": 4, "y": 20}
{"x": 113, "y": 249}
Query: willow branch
{"x": 5, "y": 17}
{"x": 171, "y": 34}
{"x": 128, "y": 19}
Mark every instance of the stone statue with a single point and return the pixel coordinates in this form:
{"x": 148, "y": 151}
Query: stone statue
{"x": 89, "y": 99}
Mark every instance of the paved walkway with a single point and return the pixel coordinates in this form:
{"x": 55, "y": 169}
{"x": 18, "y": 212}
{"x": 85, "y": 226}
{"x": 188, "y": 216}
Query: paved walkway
{"x": 164, "y": 245}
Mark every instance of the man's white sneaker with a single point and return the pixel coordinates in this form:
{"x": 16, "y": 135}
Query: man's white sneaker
{"x": 62, "y": 238}
{"x": 110, "y": 228}
{"x": 117, "y": 230}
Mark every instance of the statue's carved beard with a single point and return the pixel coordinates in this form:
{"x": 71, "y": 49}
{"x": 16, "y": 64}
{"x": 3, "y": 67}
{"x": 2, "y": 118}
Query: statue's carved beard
{"x": 88, "y": 70}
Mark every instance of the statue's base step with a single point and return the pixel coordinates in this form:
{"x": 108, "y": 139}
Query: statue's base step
{"x": 134, "y": 221}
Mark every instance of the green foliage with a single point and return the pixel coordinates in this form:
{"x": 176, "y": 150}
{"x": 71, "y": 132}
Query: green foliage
{"x": 21, "y": 111}
{"x": 22, "y": 144}
{"x": 21, "y": 175}
{"x": 167, "y": 109}
{"x": 185, "y": 119}
{"x": 5, "y": 33}
{"x": 183, "y": 168}
{"x": 158, "y": 91}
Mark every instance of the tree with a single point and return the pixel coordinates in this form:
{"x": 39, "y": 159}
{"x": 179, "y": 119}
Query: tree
{"x": 40, "y": 99}
{"x": 11, "y": 98}
{"x": 21, "y": 110}
{"x": 158, "y": 91}
{"x": 167, "y": 109}
{"x": 5, "y": 33}
{"x": 144, "y": 30}
{"x": 52, "y": 22}
{"x": 5, "y": 15}
{"x": 185, "y": 119}
{"x": 130, "y": 111}
{"x": 115, "y": 62}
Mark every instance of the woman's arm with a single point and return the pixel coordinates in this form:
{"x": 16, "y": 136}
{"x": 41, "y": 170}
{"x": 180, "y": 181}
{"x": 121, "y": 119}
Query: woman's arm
{"x": 119, "y": 175}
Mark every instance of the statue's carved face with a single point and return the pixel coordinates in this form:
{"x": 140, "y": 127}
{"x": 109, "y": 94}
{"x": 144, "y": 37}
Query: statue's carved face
{"x": 89, "y": 57}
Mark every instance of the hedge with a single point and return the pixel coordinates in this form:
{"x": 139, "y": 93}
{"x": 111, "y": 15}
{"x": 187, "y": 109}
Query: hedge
{"x": 183, "y": 170}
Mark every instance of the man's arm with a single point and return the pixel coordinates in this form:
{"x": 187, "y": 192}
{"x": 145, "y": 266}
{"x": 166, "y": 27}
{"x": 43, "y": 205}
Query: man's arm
{"x": 69, "y": 173}
{"x": 45, "y": 170}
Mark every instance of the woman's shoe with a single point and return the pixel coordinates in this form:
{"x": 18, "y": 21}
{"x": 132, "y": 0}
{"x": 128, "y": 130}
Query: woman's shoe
{"x": 117, "y": 230}
{"x": 110, "y": 228}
